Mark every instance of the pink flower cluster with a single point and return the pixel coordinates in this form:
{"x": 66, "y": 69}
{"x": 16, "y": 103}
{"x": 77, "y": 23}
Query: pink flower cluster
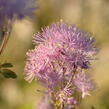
{"x": 59, "y": 61}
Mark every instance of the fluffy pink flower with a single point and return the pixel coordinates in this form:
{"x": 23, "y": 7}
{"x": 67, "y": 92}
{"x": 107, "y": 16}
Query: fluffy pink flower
{"x": 77, "y": 47}
{"x": 38, "y": 59}
{"x": 62, "y": 53}
{"x": 83, "y": 83}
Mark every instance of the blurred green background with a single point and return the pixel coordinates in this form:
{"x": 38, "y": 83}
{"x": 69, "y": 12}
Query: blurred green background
{"x": 89, "y": 15}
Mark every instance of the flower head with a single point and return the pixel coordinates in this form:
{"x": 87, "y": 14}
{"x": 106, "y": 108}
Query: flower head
{"x": 71, "y": 101}
{"x": 83, "y": 83}
{"x": 63, "y": 52}
{"x": 45, "y": 104}
{"x": 18, "y": 8}
{"x": 66, "y": 46}
{"x": 39, "y": 61}
{"x": 77, "y": 47}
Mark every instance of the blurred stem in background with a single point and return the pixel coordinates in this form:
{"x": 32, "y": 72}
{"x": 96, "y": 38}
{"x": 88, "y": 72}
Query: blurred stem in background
{"x": 5, "y": 33}
{"x": 9, "y": 12}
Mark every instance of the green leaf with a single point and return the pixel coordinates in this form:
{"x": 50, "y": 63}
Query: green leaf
{"x": 6, "y": 65}
{"x": 8, "y": 73}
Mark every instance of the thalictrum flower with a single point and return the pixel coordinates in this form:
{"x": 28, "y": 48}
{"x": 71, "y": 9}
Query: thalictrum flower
{"x": 84, "y": 83}
{"x": 16, "y": 8}
{"x": 77, "y": 47}
{"x": 63, "y": 52}
{"x": 45, "y": 103}
{"x": 40, "y": 60}
{"x": 71, "y": 101}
